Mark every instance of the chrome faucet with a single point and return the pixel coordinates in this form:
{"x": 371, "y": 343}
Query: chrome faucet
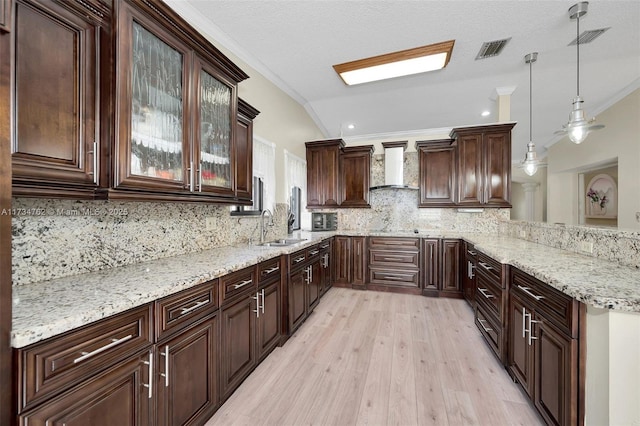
{"x": 263, "y": 230}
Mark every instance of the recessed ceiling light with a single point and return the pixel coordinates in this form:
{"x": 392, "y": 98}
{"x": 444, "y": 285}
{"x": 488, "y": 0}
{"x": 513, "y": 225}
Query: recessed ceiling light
{"x": 397, "y": 64}
{"x": 485, "y": 113}
{"x": 351, "y": 126}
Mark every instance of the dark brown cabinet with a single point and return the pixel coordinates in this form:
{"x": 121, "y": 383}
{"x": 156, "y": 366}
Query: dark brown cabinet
{"x": 187, "y": 375}
{"x": 491, "y": 303}
{"x": 394, "y": 263}
{"x": 451, "y": 267}
{"x": 545, "y": 328}
{"x": 59, "y": 52}
{"x": 431, "y": 266}
{"x": 177, "y": 135}
{"x": 268, "y": 320}
{"x": 484, "y": 165}
{"x": 5, "y": 16}
{"x": 350, "y": 261}
{"x": 313, "y": 278}
{"x": 355, "y": 172}
{"x": 326, "y": 270}
{"x": 468, "y": 272}
{"x": 119, "y": 396}
{"x": 244, "y": 150}
{"x": 437, "y": 173}
{"x": 441, "y": 267}
{"x": 323, "y": 173}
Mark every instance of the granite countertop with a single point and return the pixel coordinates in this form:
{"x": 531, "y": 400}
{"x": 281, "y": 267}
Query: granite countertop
{"x": 42, "y": 310}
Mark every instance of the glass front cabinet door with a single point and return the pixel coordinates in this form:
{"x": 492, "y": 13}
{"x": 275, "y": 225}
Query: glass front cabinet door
{"x": 175, "y": 115}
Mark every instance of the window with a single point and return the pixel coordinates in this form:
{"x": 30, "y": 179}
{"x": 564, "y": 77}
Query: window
{"x": 295, "y": 169}
{"x": 264, "y": 178}
{"x": 258, "y": 201}
{"x": 296, "y": 198}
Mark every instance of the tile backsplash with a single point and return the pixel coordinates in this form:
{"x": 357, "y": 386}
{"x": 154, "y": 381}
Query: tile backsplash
{"x": 56, "y": 238}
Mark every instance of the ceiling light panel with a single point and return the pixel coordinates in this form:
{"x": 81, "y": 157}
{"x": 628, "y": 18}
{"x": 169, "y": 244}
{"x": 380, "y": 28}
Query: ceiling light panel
{"x": 397, "y": 64}
{"x": 492, "y": 48}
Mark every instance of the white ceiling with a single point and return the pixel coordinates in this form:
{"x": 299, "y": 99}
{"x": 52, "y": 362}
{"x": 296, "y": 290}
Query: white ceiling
{"x": 295, "y": 43}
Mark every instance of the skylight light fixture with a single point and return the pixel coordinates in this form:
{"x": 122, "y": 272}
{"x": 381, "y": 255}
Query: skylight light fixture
{"x": 397, "y": 64}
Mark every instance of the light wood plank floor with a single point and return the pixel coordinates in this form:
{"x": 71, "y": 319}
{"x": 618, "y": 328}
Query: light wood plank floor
{"x": 372, "y": 358}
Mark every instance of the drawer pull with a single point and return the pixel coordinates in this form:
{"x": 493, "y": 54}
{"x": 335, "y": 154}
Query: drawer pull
{"x": 324, "y": 246}
{"x": 472, "y": 253}
{"x": 487, "y": 296}
{"x": 270, "y": 270}
{"x": 150, "y": 364}
{"x": 194, "y": 307}
{"x": 298, "y": 260}
{"x": 485, "y": 266}
{"x": 114, "y": 342}
{"x": 481, "y": 321}
{"x": 526, "y": 290}
{"x": 314, "y": 252}
{"x": 242, "y": 284}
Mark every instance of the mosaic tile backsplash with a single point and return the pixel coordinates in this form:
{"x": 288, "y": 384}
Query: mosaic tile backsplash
{"x": 57, "y": 238}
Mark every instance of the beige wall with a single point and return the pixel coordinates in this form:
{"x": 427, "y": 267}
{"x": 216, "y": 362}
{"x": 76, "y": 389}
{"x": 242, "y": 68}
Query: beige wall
{"x": 620, "y": 140}
{"x": 282, "y": 120}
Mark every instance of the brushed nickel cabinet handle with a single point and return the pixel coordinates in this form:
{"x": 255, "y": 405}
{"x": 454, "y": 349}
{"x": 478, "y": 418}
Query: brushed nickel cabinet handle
{"x": 242, "y": 284}
{"x": 257, "y": 299}
{"x": 526, "y": 290}
{"x": 299, "y": 259}
{"x": 270, "y": 270}
{"x": 114, "y": 342}
{"x": 94, "y": 154}
{"x": 485, "y": 266}
{"x": 314, "y": 252}
{"x": 194, "y": 307}
{"x": 487, "y": 296}
{"x": 481, "y": 321}
{"x": 150, "y": 384}
{"x": 165, "y": 354}
{"x": 472, "y": 253}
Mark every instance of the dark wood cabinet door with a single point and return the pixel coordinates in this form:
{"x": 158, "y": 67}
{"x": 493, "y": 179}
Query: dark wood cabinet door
{"x": 244, "y": 150}
{"x": 115, "y": 397}
{"x": 314, "y": 284}
{"x": 437, "y": 174}
{"x": 431, "y": 271}
{"x": 342, "y": 260}
{"x": 355, "y": 175}
{"x": 468, "y": 274}
{"x": 187, "y": 379}
{"x": 470, "y": 172}
{"x": 152, "y": 148}
{"x": 359, "y": 261}
{"x": 556, "y": 382}
{"x": 56, "y": 95}
{"x": 297, "y": 299}
{"x": 238, "y": 343}
{"x": 497, "y": 150}
{"x": 323, "y": 173}
{"x": 325, "y": 271}
{"x": 5, "y": 16}
{"x": 451, "y": 266}
{"x": 268, "y": 327}
{"x": 520, "y": 353}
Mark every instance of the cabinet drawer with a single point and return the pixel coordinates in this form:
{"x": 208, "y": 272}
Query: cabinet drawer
{"x": 403, "y": 259}
{"x": 490, "y": 267}
{"x": 469, "y": 251}
{"x": 325, "y": 245}
{"x": 561, "y": 309}
{"x": 390, "y": 277}
{"x": 313, "y": 252}
{"x": 391, "y": 243}
{"x": 180, "y": 310}
{"x": 238, "y": 283}
{"x": 53, "y": 365}
{"x": 297, "y": 258}
{"x": 490, "y": 294}
{"x": 489, "y": 329}
{"x": 269, "y": 269}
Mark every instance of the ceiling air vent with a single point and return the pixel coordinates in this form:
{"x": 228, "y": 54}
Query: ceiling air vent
{"x": 588, "y": 36}
{"x": 492, "y": 48}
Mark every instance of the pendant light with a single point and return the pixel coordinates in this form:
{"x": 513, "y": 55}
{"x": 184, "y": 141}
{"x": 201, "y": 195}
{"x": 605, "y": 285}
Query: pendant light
{"x": 578, "y": 127}
{"x": 530, "y": 163}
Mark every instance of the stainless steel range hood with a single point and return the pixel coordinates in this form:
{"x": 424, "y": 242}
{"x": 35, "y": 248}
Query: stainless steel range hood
{"x": 393, "y": 166}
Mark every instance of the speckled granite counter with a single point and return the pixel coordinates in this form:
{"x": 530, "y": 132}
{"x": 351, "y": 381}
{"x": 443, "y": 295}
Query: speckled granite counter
{"x": 42, "y": 310}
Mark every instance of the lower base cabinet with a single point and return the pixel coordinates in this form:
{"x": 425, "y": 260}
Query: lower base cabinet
{"x": 350, "y": 261}
{"x": 268, "y": 319}
{"x": 187, "y": 379}
{"x": 441, "y": 267}
{"x": 238, "y": 343}
{"x": 119, "y": 396}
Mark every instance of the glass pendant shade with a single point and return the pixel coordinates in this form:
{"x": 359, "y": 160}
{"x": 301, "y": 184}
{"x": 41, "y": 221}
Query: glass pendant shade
{"x": 530, "y": 163}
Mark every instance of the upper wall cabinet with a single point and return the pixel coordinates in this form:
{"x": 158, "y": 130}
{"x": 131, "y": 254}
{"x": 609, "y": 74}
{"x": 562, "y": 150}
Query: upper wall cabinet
{"x": 176, "y": 110}
{"x": 244, "y": 149}
{"x": 59, "y": 50}
{"x": 323, "y": 173}
{"x": 355, "y": 173}
{"x": 437, "y": 161}
{"x": 484, "y": 165}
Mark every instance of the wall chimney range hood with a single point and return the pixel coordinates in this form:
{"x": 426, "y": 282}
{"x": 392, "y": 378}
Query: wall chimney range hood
{"x": 393, "y": 166}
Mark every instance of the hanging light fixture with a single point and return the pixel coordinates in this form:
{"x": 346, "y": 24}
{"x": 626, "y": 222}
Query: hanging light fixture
{"x": 578, "y": 127}
{"x": 530, "y": 163}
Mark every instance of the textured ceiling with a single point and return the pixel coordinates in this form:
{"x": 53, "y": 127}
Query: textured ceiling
{"x": 295, "y": 43}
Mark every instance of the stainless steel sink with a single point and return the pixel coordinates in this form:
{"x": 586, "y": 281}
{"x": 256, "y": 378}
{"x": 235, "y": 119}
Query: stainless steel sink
{"x": 282, "y": 242}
